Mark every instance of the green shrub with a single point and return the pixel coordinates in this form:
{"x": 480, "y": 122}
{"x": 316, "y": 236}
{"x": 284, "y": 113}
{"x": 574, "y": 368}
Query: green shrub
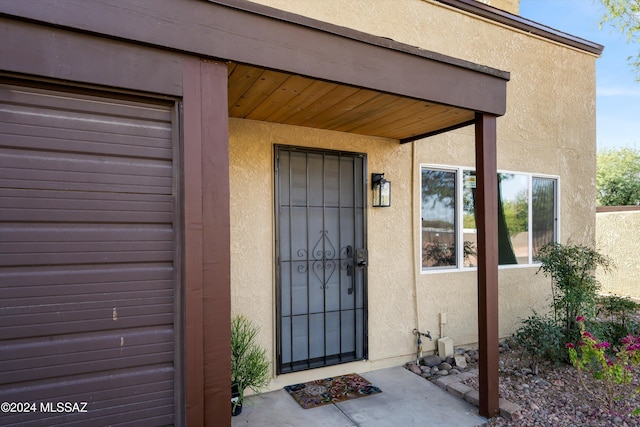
{"x": 540, "y": 338}
{"x": 575, "y": 288}
{"x": 616, "y": 318}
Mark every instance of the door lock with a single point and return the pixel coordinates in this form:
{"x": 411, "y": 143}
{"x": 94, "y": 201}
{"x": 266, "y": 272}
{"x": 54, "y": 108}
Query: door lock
{"x": 361, "y": 258}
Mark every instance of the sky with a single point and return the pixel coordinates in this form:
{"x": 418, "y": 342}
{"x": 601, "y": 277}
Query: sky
{"x": 617, "y": 91}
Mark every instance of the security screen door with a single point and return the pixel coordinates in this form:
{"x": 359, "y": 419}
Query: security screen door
{"x": 321, "y": 258}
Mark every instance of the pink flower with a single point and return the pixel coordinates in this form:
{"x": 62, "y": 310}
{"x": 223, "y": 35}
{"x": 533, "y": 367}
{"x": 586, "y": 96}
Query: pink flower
{"x": 627, "y": 340}
{"x": 580, "y": 319}
{"x": 581, "y": 343}
{"x": 609, "y": 363}
{"x": 570, "y": 345}
{"x": 588, "y": 334}
{"x": 602, "y": 345}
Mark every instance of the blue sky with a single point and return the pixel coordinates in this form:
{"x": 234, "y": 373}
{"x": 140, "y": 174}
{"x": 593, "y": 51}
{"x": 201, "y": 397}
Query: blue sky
{"x": 617, "y": 91}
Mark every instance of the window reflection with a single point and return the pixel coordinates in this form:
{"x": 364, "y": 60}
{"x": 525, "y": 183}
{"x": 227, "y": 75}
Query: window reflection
{"x": 543, "y": 221}
{"x": 513, "y": 234}
{"x": 438, "y": 218}
{"x": 527, "y": 217}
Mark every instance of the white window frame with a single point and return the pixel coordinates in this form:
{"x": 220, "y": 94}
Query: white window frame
{"x": 459, "y": 212}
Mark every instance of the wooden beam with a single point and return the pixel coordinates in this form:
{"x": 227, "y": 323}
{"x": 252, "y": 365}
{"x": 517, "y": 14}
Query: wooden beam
{"x": 487, "y": 224}
{"x": 207, "y": 244}
{"x": 437, "y": 132}
{"x": 216, "y": 247}
{"x": 281, "y": 41}
{"x": 192, "y": 193}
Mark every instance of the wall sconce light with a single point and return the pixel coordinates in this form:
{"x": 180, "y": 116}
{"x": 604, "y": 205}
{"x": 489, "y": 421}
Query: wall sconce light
{"x": 381, "y": 191}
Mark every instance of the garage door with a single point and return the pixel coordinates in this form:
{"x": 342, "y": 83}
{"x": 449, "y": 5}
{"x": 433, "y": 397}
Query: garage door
{"x": 88, "y": 277}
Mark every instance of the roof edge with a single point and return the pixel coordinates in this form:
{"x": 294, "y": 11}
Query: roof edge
{"x": 523, "y": 24}
{"x": 305, "y": 21}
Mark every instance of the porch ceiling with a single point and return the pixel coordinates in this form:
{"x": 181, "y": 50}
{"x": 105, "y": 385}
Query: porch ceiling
{"x": 260, "y": 94}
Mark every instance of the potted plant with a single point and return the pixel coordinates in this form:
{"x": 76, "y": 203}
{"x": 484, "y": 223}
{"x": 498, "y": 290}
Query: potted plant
{"x": 249, "y": 362}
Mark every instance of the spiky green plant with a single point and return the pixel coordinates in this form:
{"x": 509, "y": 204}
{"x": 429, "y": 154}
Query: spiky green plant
{"x": 250, "y": 366}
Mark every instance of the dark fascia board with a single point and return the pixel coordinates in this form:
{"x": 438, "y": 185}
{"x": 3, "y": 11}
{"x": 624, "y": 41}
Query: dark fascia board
{"x": 244, "y": 32}
{"x": 489, "y": 12}
{"x": 356, "y": 35}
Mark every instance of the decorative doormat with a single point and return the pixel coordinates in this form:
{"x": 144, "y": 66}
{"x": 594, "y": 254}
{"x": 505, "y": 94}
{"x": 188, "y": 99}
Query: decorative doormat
{"x": 331, "y": 390}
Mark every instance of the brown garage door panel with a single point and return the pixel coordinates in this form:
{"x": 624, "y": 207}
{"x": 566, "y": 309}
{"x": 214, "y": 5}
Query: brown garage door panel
{"x": 79, "y": 206}
{"x": 59, "y": 282}
{"x": 75, "y": 172}
{"x": 88, "y": 282}
{"x": 36, "y": 118}
{"x": 127, "y": 397}
{"x": 35, "y": 359}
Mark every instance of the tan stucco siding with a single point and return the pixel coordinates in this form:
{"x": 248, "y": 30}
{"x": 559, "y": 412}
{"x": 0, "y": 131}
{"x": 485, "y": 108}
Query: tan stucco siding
{"x": 511, "y": 6}
{"x": 252, "y": 229}
{"x": 549, "y": 128}
{"x": 618, "y": 236}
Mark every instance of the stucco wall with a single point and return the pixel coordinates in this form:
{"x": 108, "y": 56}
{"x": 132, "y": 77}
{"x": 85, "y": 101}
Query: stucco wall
{"x": 549, "y": 128}
{"x": 618, "y": 236}
{"x": 511, "y": 6}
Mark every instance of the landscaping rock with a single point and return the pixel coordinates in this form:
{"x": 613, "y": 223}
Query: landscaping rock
{"x": 431, "y": 360}
{"x": 460, "y": 360}
{"x": 445, "y": 366}
{"x": 414, "y": 368}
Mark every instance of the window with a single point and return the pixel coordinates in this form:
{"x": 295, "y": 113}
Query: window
{"x": 527, "y": 218}
{"x": 439, "y": 218}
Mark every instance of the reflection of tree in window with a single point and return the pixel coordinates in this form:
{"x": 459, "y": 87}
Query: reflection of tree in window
{"x": 438, "y": 218}
{"x": 543, "y": 213}
{"x": 512, "y": 212}
{"x": 513, "y": 217}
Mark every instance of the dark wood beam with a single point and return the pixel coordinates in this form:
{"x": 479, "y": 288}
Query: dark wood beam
{"x": 192, "y": 193}
{"x": 47, "y": 52}
{"x": 243, "y": 32}
{"x": 487, "y": 224}
{"x": 437, "y": 132}
{"x": 207, "y": 244}
{"x": 216, "y": 248}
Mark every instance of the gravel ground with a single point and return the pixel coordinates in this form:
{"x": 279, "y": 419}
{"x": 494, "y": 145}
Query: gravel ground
{"x": 555, "y": 397}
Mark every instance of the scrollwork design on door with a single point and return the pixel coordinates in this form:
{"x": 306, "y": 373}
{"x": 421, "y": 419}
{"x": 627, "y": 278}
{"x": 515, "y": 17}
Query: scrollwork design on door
{"x": 324, "y": 263}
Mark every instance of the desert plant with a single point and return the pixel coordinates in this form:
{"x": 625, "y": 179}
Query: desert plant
{"x": 250, "y": 366}
{"x": 574, "y": 286}
{"x": 540, "y": 338}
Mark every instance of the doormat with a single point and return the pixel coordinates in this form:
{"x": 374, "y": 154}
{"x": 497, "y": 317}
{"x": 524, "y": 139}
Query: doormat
{"x": 331, "y": 390}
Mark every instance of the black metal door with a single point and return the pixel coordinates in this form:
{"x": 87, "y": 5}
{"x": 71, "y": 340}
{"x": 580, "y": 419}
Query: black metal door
{"x": 321, "y": 256}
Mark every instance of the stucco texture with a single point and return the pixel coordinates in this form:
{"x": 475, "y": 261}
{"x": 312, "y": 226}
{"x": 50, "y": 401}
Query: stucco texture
{"x": 618, "y": 236}
{"x": 549, "y": 128}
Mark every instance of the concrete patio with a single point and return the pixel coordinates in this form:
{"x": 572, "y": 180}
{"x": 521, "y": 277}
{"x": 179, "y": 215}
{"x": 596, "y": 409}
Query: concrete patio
{"x": 406, "y": 400}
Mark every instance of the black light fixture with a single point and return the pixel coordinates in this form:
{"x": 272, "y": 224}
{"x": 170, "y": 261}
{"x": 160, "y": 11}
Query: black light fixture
{"x": 381, "y": 191}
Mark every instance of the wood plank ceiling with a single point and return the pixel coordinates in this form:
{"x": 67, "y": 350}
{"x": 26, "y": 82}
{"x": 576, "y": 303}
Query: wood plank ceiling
{"x": 272, "y": 96}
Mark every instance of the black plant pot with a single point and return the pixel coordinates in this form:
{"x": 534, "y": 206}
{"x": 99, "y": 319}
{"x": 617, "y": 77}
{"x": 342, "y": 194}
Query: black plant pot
{"x": 236, "y": 404}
